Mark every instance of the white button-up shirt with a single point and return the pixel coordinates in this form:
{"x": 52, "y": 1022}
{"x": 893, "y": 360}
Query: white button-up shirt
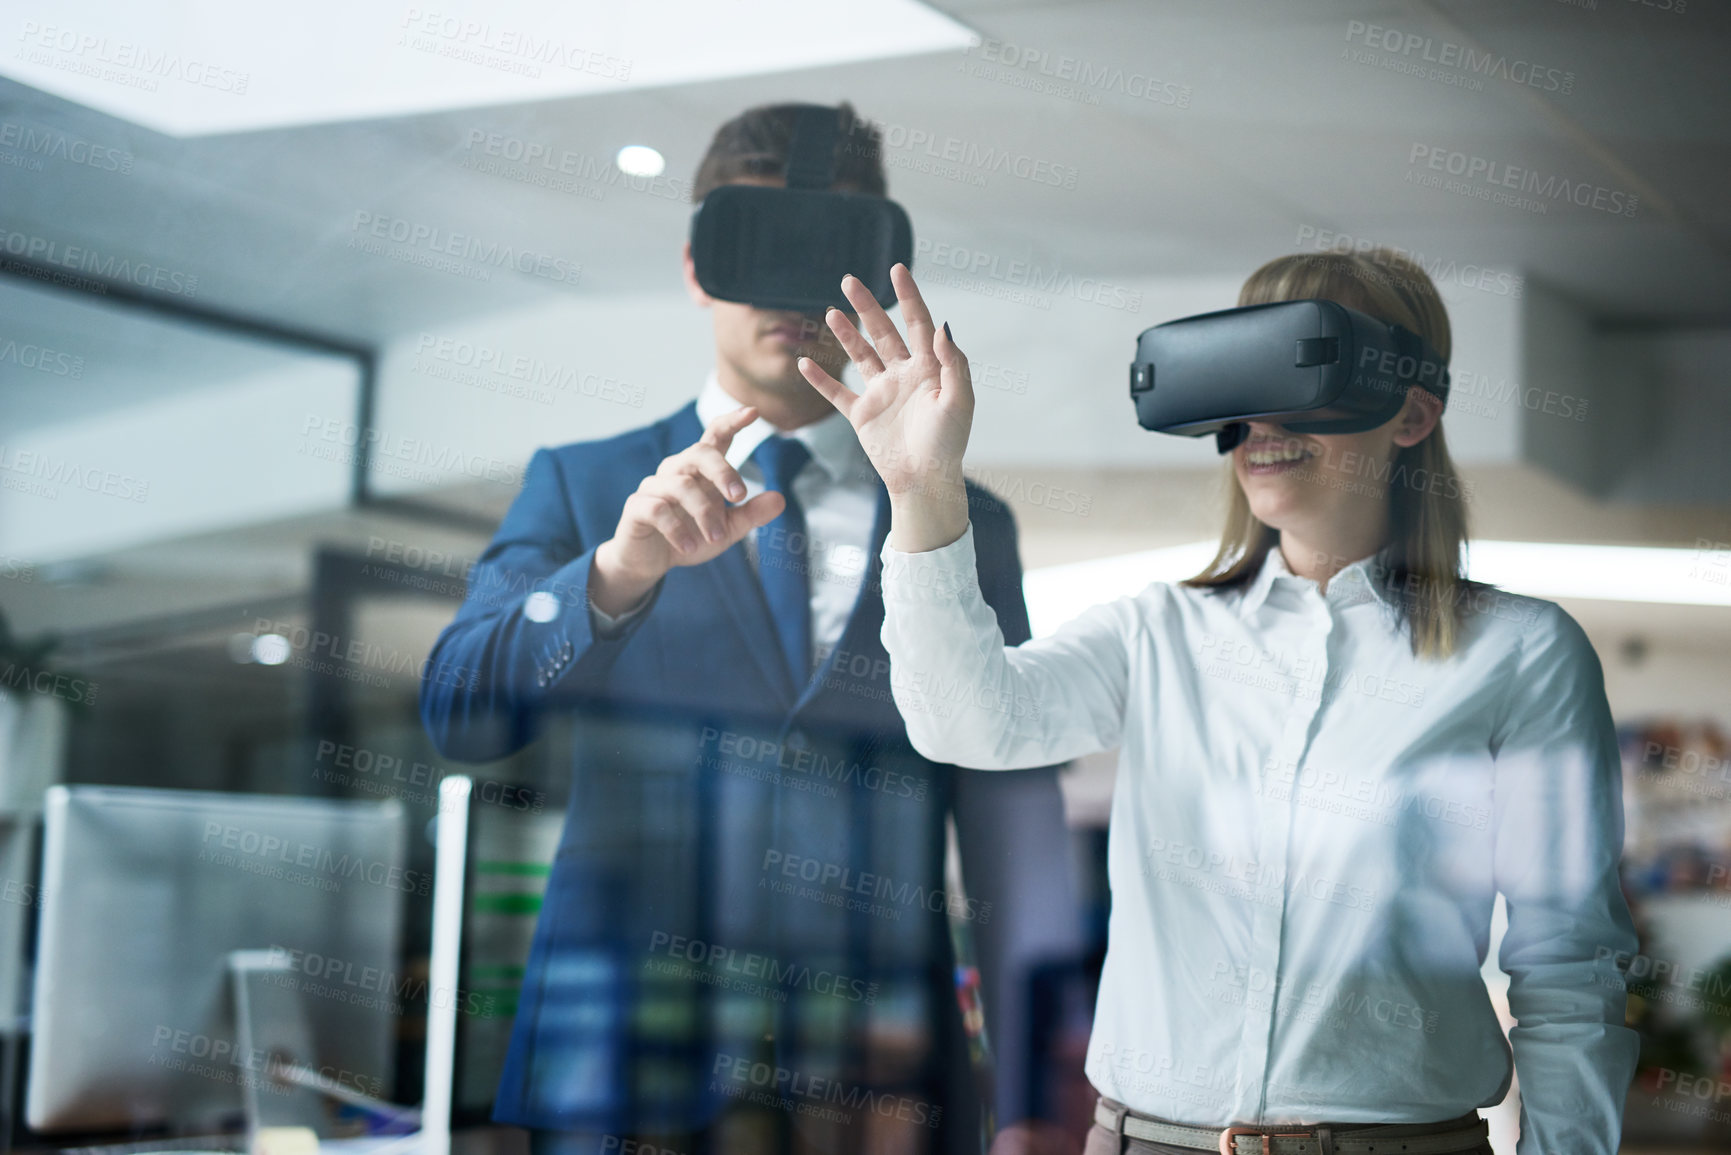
{"x": 1308, "y": 831}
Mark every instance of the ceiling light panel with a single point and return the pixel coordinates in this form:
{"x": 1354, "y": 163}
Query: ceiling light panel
{"x": 191, "y": 68}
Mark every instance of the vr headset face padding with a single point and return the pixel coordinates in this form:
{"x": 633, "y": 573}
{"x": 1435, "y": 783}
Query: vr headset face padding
{"x": 788, "y": 248}
{"x": 1312, "y": 366}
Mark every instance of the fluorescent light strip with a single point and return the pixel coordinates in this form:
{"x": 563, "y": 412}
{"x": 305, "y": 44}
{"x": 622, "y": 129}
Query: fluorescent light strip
{"x": 1618, "y": 573}
{"x": 1057, "y": 593}
{"x": 1698, "y": 577}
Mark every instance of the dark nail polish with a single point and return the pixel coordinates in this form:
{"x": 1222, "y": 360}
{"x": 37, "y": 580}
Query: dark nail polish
{"x": 947, "y": 336}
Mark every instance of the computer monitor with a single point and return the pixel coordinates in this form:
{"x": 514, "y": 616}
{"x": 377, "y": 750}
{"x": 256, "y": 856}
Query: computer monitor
{"x": 146, "y": 895}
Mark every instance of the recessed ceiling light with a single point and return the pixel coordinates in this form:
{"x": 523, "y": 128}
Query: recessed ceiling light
{"x": 188, "y": 68}
{"x": 639, "y": 160}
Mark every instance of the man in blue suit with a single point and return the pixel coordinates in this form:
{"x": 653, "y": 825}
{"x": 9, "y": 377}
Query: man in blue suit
{"x": 747, "y": 940}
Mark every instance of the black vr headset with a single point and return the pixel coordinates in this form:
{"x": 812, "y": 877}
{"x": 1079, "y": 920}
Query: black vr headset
{"x": 1311, "y": 366}
{"x": 788, "y": 248}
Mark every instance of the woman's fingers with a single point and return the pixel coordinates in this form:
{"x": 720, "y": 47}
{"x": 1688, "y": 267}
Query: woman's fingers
{"x": 838, "y": 394}
{"x": 859, "y": 350}
{"x": 956, "y": 375}
{"x": 914, "y": 312}
{"x": 878, "y": 325}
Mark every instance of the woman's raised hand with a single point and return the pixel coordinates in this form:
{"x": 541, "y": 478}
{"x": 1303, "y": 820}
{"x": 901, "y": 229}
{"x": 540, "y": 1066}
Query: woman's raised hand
{"x": 914, "y": 414}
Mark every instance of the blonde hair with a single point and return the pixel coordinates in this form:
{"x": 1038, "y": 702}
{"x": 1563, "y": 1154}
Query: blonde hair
{"x": 1427, "y": 529}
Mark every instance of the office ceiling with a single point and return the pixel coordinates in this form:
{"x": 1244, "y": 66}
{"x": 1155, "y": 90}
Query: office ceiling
{"x": 1268, "y": 124}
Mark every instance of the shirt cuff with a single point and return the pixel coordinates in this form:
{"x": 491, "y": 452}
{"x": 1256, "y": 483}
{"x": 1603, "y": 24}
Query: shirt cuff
{"x": 605, "y": 625}
{"x": 936, "y": 575}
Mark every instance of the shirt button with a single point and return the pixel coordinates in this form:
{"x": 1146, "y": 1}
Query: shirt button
{"x": 795, "y": 740}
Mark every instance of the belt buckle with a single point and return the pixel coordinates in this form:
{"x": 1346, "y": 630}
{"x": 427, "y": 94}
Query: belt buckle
{"x": 1229, "y": 1136}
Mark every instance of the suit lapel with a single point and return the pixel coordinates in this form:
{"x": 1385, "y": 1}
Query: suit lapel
{"x": 867, "y": 603}
{"x": 740, "y": 590}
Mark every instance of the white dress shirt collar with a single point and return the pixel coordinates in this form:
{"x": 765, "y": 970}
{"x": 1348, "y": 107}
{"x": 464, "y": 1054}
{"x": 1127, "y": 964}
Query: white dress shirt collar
{"x": 1354, "y": 583}
{"x": 832, "y": 441}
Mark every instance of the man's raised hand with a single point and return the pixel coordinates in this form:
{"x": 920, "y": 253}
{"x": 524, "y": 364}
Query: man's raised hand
{"x": 680, "y": 515}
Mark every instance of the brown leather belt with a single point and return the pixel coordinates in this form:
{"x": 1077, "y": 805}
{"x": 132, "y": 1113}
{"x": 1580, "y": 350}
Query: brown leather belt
{"x": 1296, "y": 1139}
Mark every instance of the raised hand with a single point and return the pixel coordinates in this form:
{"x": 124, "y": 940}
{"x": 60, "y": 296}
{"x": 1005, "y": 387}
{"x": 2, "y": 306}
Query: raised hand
{"x": 680, "y": 515}
{"x": 914, "y": 414}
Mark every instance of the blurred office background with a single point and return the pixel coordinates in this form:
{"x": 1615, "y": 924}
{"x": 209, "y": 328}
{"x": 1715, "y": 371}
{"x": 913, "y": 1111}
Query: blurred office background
{"x": 282, "y": 320}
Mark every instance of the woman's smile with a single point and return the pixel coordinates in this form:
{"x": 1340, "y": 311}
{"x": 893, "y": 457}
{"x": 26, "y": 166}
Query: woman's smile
{"x": 1264, "y": 456}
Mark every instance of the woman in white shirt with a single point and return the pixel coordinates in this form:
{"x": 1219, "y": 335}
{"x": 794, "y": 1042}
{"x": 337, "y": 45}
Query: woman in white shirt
{"x": 1334, "y": 752}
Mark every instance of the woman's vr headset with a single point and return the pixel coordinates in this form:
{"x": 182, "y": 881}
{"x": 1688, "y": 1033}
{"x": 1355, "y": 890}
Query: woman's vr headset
{"x": 1311, "y": 366}
{"x": 788, "y": 248}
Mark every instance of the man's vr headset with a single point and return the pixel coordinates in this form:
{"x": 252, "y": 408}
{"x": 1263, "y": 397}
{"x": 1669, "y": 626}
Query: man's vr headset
{"x": 1311, "y": 366}
{"x": 788, "y": 248}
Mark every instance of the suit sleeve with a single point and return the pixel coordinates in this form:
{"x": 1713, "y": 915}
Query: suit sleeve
{"x": 524, "y": 632}
{"x": 1559, "y": 835}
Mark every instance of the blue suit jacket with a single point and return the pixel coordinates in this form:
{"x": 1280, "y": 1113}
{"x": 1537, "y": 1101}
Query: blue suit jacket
{"x": 788, "y": 831}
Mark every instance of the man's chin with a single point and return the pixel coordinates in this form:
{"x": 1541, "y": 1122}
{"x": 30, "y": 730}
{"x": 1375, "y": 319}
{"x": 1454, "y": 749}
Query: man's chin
{"x": 780, "y": 370}
{"x": 791, "y": 352}
{"x": 781, "y": 376}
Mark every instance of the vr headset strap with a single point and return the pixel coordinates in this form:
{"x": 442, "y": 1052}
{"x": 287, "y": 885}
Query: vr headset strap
{"x": 1409, "y": 344}
{"x": 811, "y": 149}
